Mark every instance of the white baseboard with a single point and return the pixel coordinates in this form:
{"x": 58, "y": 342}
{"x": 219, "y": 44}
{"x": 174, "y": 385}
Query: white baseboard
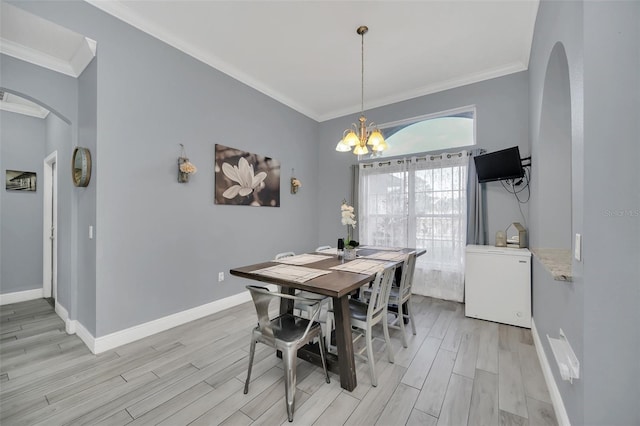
{"x": 20, "y": 296}
{"x": 69, "y": 324}
{"x": 554, "y": 392}
{"x": 84, "y": 335}
{"x": 122, "y": 337}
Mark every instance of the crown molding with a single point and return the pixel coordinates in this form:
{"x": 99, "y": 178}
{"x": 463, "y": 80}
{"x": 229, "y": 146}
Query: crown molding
{"x": 37, "y": 112}
{"x": 36, "y": 57}
{"x": 81, "y": 58}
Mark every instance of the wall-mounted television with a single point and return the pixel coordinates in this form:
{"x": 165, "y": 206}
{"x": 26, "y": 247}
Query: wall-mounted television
{"x": 499, "y": 165}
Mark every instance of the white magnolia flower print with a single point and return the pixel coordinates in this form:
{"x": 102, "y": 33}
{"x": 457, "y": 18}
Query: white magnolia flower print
{"x": 243, "y": 174}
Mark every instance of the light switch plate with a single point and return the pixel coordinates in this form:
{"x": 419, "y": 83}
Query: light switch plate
{"x": 577, "y": 248}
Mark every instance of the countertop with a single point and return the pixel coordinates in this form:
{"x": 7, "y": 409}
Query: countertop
{"x": 556, "y": 261}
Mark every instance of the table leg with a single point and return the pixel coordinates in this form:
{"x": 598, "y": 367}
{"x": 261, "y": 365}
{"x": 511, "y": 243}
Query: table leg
{"x": 286, "y": 305}
{"x": 344, "y": 343}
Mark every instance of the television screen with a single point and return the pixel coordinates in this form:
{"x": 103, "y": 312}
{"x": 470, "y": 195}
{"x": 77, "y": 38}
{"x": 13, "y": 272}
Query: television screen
{"x": 499, "y": 165}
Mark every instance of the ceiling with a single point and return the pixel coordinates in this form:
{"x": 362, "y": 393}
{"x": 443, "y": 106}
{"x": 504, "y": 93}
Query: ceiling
{"x": 306, "y": 54}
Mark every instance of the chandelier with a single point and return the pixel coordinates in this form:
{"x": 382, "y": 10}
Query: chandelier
{"x": 359, "y": 136}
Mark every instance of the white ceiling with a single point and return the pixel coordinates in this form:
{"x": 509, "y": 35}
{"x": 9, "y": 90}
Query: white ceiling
{"x": 306, "y": 54}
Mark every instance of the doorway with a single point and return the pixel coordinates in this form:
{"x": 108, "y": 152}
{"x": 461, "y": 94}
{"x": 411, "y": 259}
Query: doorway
{"x": 50, "y": 229}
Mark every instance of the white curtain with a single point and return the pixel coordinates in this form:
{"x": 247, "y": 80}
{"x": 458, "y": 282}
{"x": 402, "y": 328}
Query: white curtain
{"x": 420, "y": 202}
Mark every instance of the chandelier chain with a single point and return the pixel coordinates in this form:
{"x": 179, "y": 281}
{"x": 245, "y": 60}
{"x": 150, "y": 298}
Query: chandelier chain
{"x": 362, "y": 73}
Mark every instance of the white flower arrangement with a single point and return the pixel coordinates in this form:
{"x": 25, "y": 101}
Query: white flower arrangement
{"x": 348, "y": 218}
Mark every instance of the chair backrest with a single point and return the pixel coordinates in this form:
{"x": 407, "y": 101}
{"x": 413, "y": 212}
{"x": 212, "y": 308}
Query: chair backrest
{"x": 323, "y": 248}
{"x": 262, "y": 298}
{"x": 380, "y": 289}
{"x": 406, "y": 281}
{"x": 283, "y": 255}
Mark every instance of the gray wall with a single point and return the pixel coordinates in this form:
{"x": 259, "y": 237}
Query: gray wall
{"x": 21, "y": 148}
{"x": 558, "y": 304}
{"x": 86, "y": 200}
{"x": 612, "y": 212}
{"x": 501, "y": 122}
{"x": 599, "y": 309}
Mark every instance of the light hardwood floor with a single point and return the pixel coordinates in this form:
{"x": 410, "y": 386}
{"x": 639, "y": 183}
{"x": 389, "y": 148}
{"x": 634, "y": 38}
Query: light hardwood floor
{"x": 456, "y": 371}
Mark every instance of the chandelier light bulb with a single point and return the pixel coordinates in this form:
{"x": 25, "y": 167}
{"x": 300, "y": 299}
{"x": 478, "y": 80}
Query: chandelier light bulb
{"x": 375, "y": 138}
{"x": 360, "y": 150}
{"x": 343, "y": 147}
{"x": 351, "y": 139}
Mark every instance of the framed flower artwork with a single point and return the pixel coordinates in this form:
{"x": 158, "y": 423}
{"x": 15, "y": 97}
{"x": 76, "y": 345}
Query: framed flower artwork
{"x": 246, "y": 179}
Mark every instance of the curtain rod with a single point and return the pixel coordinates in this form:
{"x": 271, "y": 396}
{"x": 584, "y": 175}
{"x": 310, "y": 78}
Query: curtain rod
{"x": 417, "y": 159}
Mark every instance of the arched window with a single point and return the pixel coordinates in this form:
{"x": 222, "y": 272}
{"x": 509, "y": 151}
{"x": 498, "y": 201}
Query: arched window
{"x": 433, "y": 132}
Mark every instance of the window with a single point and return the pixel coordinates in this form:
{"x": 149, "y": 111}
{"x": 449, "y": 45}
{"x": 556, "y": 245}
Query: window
{"x": 419, "y": 202}
{"x": 435, "y": 132}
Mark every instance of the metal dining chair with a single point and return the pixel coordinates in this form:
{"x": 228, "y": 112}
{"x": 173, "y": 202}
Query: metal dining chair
{"x": 401, "y": 297}
{"x": 283, "y": 255}
{"x": 323, "y": 248}
{"x": 365, "y": 315}
{"x": 286, "y": 333}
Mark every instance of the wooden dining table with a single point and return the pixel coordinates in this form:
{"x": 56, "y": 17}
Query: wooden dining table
{"x": 338, "y": 285}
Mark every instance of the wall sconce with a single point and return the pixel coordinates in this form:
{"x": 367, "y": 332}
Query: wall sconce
{"x": 185, "y": 168}
{"x": 295, "y": 183}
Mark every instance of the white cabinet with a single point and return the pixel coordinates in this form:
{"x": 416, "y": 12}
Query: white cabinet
{"x": 498, "y": 284}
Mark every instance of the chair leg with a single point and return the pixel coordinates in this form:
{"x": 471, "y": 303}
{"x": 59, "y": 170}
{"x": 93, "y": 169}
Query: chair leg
{"x": 289, "y": 357}
{"x": 413, "y": 322}
{"x": 322, "y": 356}
{"x": 402, "y": 330}
{"x": 370, "y": 359}
{"x": 385, "y": 328}
{"x": 251, "y": 353}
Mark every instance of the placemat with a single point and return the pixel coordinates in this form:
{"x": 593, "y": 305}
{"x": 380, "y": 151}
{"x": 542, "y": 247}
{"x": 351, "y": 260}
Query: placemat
{"x": 387, "y": 255}
{"x": 298, "y": 274}
{"x": 361, "y": 266}
{"x": 301, "y": 259}
{"x": 379, "y": 248}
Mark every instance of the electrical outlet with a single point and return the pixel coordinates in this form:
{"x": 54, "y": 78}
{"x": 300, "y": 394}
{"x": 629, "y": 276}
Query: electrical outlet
{"x": 220, "y": 276}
